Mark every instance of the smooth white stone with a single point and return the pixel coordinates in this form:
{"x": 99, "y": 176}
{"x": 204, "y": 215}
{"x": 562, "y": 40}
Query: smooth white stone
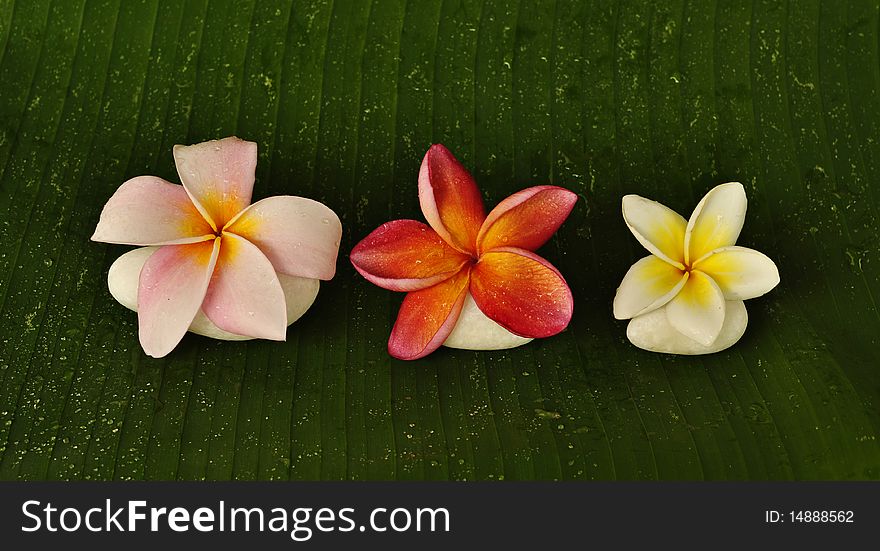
{"x": 122, "y": 279}
{"x": 475, "y": 331}
{"x": 653, "y": 332}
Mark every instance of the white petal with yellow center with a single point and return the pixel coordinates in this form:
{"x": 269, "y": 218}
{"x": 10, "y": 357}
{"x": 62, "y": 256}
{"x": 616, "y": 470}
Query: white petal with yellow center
{"x": 716, "y": 222}
{"x": 697, "y": 311}
{"x": 657, "y": 227}
{"x": 740, "y": 273}
{"x": 122, "y": 279}
{"x": 476, "y": 331}
{"x": 649, "y": 284}
{"x": 653, "y": 332}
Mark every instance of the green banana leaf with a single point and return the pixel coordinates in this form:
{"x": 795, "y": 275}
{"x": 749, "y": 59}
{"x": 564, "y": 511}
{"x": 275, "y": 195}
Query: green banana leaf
{"x": 665, "y": 99}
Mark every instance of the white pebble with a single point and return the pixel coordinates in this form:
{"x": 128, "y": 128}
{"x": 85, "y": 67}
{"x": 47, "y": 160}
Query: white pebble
{"x": 122, "y": 279}
{"x": 653, "y": 332}
{"x": 475, "y": 331}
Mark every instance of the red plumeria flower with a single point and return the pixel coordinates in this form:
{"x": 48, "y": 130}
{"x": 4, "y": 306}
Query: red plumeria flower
{"x": 462, "y": 253}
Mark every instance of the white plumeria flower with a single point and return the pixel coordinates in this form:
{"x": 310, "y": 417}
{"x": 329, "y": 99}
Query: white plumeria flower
{"x": 687, "y": 296}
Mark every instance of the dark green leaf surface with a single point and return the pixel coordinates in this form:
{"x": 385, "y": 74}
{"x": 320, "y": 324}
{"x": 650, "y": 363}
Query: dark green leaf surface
{"x": 664, "y": 99}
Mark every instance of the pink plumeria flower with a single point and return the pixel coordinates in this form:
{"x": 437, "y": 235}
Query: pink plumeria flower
{"x": 214, "y": 258}
{"x": 473, "y": 280}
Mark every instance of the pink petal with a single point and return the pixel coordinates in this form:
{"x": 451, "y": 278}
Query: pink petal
{"x": 298, "y": 235}
{"x": 147, "y": 210}
{"x": 218, "y": 175}
{"x": 245, "y": 296}
{"x": 450, "y": 200}
{"x": 405, "y": 255}
{"x": 526, "y": 219}
{"x": 427, "y": 317}
{"x": 521, "y": 292}
{"x": 171, "y": 289}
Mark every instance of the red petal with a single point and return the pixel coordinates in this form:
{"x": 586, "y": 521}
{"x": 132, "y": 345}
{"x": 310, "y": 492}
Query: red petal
{"x": 405, "y": 255}
{"x": 526, "y": 219}
{"x": 450, "y": 199}
{"x": 522, "y": 292}
{"x": 427, "y": 317}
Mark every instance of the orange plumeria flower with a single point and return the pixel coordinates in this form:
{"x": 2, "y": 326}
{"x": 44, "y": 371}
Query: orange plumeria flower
{"x": 462, "y": 251}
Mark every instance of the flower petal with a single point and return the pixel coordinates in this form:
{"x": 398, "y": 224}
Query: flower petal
{"x": 147, "y": 210}
{"x": 245, "y": 296}
{"x": 298, "y": 235}
{"x": 122, "y": 280}
{"x": 716, "y": 222}
{"x": 427, "y": 317}
{"x": 648, "y": 284}
{"x": 653, "y": 332}
{"x": 657, "y": 227}
{"x": 450, "y": 200}
{"x": 741, "y": 273}
{"x": 405, "y": 255}
{"x": 526, "y": 219}
{"x": 522, "y": 292}
{"x": 299, "y": 295}
{"x": 697, "y": 311}
{"x": 171, "y": 289}
{"x": 218, "y": 175}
